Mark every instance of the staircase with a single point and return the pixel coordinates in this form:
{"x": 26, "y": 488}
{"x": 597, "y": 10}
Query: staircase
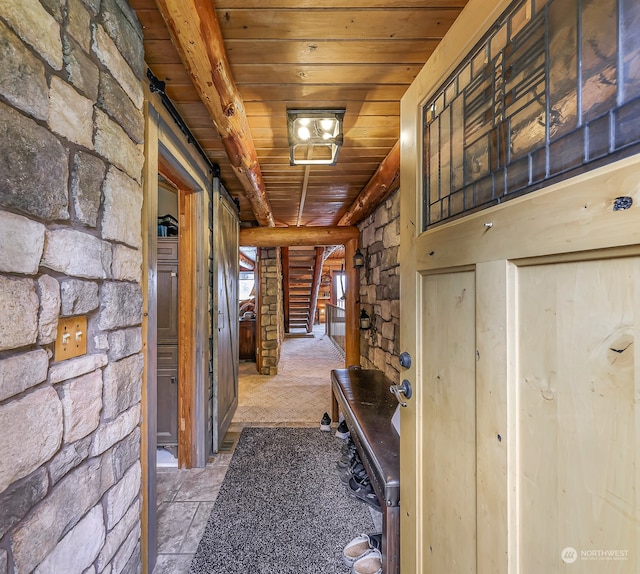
{"x": 301, "y": 268}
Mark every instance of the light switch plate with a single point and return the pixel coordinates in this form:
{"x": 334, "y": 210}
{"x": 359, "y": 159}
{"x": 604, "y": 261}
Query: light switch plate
{"x": 71, "y": 340}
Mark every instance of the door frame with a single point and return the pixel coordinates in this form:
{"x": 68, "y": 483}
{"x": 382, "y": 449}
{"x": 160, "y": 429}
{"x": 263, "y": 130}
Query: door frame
{"x": 167, "y": 151}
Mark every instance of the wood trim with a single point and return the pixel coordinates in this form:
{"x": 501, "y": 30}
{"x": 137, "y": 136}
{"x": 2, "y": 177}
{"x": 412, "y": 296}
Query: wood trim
{"x": 287, "y": 236}
{"x": 352, "y": 301}
{"x": 384, "y": 182}
{"x": 195, "y": 32}
{"x": 257, "y": 276}
{"x": 186, "y": 330}
{"x": 148, "y": 402}
{"x": 315, "y": 287}
{"x": 285, "y": 287}
{"x": 584, "y": 202}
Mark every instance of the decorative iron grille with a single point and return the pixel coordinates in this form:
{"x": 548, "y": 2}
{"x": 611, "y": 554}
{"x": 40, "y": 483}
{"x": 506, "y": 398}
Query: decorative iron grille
{"x": 552, "y": 89}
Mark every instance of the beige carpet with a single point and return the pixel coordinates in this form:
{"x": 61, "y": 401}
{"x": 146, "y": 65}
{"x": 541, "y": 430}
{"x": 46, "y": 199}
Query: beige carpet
{"x": 301, "y": 391}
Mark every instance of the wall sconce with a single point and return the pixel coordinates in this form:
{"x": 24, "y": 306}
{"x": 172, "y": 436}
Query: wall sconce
{"x": 365, "y": 320}
{"x": 358, "y": 259}
{"x": 315, "y": 136}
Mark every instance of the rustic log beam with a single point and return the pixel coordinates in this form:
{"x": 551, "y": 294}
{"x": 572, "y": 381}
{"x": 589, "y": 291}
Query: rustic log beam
{"x": 286, "y": 236}
{"x": 195, "y": 32}
{"x": 384, "y": 182}
{"x": 245, "y": 262}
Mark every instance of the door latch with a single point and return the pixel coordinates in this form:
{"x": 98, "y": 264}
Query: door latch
{"x": 402, "y": 392}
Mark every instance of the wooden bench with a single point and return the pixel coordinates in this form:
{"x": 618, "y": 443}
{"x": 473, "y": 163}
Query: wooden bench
{"x": 367, "y": 405}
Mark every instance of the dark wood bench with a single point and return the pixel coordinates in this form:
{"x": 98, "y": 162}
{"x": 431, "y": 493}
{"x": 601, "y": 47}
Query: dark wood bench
{"x": 367, "y": 405}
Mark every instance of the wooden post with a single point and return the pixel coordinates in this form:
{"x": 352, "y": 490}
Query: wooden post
{"x": 352, "y": 305}
{"x": 315, "y": 287}
{"x": 285, "y": 287}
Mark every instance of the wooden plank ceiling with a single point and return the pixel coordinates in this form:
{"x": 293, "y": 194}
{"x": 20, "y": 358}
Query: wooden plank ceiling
{"x": 355, "y": 54}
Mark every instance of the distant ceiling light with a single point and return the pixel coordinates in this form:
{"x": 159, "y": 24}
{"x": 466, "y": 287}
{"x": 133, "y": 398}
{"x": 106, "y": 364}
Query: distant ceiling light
{"x": 315, "y": 136}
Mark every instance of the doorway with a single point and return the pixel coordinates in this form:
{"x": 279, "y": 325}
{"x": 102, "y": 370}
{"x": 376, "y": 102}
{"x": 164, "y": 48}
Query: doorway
{"x": 191, "y": 341}
{"x": 167, "y": 329}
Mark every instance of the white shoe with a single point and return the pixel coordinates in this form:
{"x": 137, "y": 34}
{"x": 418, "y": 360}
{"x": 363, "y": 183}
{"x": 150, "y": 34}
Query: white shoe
{"x": 358, "y": 548}
{"x": 371, "y": 563}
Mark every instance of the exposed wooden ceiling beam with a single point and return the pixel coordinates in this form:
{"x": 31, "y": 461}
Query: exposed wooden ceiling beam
{"x": 285, "y": 236}
{"x": 246, "y": 262}
{"x": 384, "y": 182}
{"x": 195, "y": 32}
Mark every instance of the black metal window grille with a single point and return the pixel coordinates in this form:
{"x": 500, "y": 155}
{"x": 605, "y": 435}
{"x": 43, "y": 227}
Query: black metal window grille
{"x": 550, "y": 91}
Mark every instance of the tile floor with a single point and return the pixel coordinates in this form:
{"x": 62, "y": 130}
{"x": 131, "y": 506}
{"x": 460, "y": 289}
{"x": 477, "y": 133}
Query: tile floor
{"x": 297, "y": 396}
{"x": 185, "y": 500}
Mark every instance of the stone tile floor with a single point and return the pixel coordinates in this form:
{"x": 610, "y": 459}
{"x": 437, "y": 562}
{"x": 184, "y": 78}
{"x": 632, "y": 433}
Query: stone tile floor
{"x": 185, "y": 500}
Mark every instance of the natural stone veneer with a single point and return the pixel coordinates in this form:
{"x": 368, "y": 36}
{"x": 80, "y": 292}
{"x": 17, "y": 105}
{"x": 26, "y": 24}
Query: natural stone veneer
{"x": 18, "y": 313}
{"x": 71, "y": 151}
{"x": 380, "y": 289}
{"x": 30, "y": 434}
{"x": 270, "y": 305}
{"x": 21, "y": 243}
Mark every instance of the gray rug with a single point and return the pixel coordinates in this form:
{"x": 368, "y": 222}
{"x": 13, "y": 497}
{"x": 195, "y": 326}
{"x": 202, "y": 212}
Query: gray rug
{"x": 281, "y": 508}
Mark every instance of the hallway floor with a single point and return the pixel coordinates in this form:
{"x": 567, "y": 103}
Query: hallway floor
{"x": 297, "y": 396}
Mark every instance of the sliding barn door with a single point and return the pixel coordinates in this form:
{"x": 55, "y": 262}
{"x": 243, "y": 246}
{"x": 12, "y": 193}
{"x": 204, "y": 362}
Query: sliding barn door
{"x": 224, "y": 398}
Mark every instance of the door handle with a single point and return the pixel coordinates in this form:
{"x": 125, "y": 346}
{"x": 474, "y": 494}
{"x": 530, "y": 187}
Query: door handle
{"x": 174, "y": 380}
{"x": 402, "y": 392}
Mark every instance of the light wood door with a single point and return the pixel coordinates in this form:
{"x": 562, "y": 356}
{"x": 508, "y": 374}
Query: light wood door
{"x": 520, "y": 450}
{"x": 576, "y": 416}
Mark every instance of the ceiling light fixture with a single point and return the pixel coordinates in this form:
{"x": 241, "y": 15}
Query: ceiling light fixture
{"x": 315, "y": 136}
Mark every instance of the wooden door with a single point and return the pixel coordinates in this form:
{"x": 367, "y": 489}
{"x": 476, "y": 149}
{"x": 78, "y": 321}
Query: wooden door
{"x": 225, "y": 389}
{"x": 167, "y": 381}
{"x": 520, "y": 447}
{"x": 167, "y": 302}
{"x": 167, "y": 340}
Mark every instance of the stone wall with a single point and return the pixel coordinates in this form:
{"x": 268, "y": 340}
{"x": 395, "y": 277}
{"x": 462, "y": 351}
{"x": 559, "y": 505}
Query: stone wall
{"x": 71, "y": 134}
{"x": 380, "y": 288}
{"x": 270, "y": 309}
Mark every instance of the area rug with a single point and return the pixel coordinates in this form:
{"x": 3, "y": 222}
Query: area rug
{"x": 282, "y": 508}
{"x": 301, "y": 391}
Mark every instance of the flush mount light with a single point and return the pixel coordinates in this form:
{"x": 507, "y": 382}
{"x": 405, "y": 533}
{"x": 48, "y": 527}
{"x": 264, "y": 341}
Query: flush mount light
{"x": 315, "y": 136}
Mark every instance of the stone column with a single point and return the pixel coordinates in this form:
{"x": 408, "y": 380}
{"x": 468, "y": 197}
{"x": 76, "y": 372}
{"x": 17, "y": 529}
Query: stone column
{"x": 270, "y": 309}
